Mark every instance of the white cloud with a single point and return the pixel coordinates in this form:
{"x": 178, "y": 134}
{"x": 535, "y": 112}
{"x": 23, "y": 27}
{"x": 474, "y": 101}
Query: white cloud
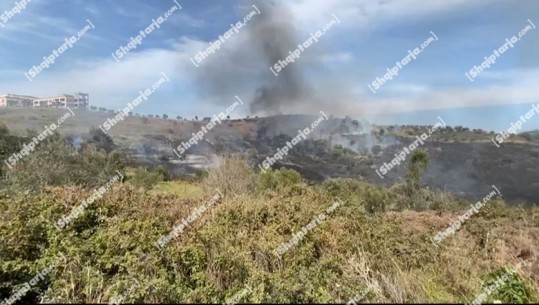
{"x": 92, "y": 9}
{"x": 184, "y": 19}
{"x": 518, "y": 87}
{"x": 111, "y": 84}
{"x": 38, "y": 26}
{"x": 368, "y": 13}
{"x": 335, "y": 58}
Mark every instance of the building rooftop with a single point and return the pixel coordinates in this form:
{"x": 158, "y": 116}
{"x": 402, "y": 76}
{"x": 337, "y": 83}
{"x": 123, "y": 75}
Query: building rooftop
{"x": 17, "y": 95}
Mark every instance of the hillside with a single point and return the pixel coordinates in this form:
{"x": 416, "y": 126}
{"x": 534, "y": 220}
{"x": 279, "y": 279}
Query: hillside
{"x": 95, "y": 229}
{"x": 464, "y": 162}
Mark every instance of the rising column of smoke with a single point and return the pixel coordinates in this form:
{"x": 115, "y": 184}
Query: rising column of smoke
{"x": 241, "y": 66}
{"x": 274, "y": 36}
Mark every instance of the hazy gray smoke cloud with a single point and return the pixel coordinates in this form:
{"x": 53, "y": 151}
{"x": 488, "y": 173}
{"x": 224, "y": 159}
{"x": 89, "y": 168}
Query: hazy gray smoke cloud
{"x": 244, "y": 67}
{"x": 274, "y": 37}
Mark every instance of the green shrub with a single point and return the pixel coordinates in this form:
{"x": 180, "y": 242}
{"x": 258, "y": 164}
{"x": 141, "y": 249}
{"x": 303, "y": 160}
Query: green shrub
{"x": 494, "y": 209}
{"x": 274, "y": 179}
{"x": 146, "y": 179}
{"x": 346, "y": 189}
{"x": 376, "y": 199}
{"x": 8, "y": 143}
{"x": 416, "y": 169}
{"x": 54, "y": 162}
{"x": 101, "y": 140}
{"x": 164, "y": 172}
{"x": 232, "y": 175}
{"x": 514, "y": 290}
{"x": 201, "y": 175}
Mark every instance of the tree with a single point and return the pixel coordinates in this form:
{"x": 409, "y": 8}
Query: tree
{"x": 416, "y": 169}
{"x": 9, "y": 144}
{"x": 526, "y": 136}
{"x": 196, "y": 118}
{"x": 165, "y": 116}
{"x": 228, "y": 117}
{"x": 101, "y": 140}
{"x": 376, "y": 149}
{"x": 57, "y": 163}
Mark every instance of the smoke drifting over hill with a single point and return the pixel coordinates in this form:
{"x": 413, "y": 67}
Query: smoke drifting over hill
{"x": 241, "y": 66}
{"x": 274, "y": 36}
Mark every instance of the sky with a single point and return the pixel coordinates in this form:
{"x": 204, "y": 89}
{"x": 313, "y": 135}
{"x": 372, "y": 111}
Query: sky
{"x": 371, "y": 36}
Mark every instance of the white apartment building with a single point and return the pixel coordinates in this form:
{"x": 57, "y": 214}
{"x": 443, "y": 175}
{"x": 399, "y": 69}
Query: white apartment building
{"x": 78, "y": 101}
{"x": 16, "y": 101}
{"x": 82, "y": 100}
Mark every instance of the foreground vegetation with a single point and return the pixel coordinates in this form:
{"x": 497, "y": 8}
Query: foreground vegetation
{"x": 377, "y": 242}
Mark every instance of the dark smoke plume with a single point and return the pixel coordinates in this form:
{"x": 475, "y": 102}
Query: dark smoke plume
{"x": 242, "y": 66}
{"x": 274, "y": 35}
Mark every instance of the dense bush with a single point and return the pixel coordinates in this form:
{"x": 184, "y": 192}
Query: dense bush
{"x": 346, "y": 189}
{"x": 514, "y": 290}
{"x": 231, "y": 175}
{"x": 376, "y": 199}
{"x": 9, "y": 144}
{"x": 55, "y": 162}
{"x": 274, "y": 179}
{"x": 101, "y": 140}
{"x": 110, "y": 247}
{"x": 146, "y": 179}
{"x": 417, "y": 166}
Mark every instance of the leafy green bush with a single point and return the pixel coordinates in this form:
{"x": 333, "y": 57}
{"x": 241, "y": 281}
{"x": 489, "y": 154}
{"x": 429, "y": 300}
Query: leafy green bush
{"x": 376, "y": 199}
{"x": 494, "y": 209}
{"x": 54, "y": 162}
{"x": 9, "y": 144}
{"x": 146, "y": 179}
{"x": 346, "y": 189}
{"x": 101, "y": 140}
{"x": 274, "y": 179}
{"x": 514, "y": 290}
{"x": 164, "y": 172}
{"x": 416, "y": 169}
